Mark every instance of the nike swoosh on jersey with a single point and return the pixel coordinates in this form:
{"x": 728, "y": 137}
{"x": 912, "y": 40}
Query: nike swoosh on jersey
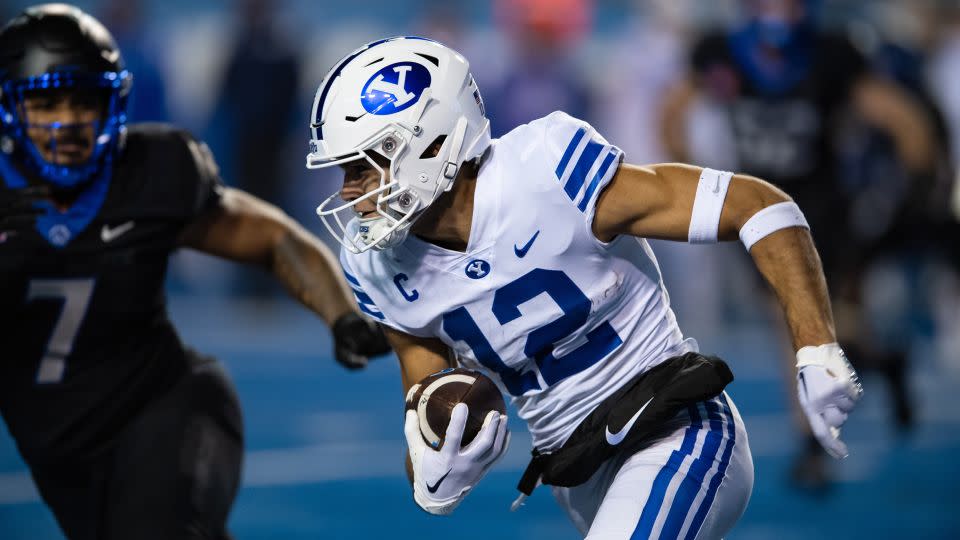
{"x": 435, "y": 487}
{"x": 616, "y": 438}
{"x": 522, "y": 251}
{"x": 108, "y": 234}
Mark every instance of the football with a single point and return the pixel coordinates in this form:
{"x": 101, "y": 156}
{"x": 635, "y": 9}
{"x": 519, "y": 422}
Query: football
{"x": 434, "y": 397}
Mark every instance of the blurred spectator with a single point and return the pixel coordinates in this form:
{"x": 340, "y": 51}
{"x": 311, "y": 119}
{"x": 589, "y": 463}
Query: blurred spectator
{"x": 540, "y": 77}
{"x": 148, "y": 99}
{"x": 631, "y": 85}
{"x": 899, "y": 217}
{"x": 443, "y": 21}
{"x": 944, "y": 67}
{"x": 945, "y": 85}
{"x": 630, "y": 88}
{"x": 899, "y": 55}
{"x": 257, "y": 105}
{"x": 787, "y": 86}
{"x": 258, "y": 98}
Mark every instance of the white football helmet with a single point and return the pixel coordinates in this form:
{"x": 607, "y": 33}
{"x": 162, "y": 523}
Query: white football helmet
{"x": 398, "y": 97}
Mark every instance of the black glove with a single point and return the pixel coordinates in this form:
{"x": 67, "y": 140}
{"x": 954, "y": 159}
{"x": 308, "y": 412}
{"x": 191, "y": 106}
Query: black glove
{"x": 17, "y": 210}
{"x": 355, "y": 339}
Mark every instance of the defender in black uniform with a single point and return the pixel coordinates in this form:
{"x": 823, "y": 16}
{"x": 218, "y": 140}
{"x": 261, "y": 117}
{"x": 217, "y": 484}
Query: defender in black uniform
{"x": 128, "y": 433}
{"x": 788, "y": 88}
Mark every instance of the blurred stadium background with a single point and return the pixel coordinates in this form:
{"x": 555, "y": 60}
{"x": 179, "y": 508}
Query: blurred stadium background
{"x": 325, "y": 447}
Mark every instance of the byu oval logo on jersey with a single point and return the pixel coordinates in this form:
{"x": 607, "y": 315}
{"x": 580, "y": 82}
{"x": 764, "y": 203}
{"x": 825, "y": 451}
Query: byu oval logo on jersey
{"x": 477, "y": 269}
{"x": 394, "y": 88}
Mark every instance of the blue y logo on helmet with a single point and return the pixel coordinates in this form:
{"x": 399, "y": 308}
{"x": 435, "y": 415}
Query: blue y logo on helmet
{"x": 394, "y": 88}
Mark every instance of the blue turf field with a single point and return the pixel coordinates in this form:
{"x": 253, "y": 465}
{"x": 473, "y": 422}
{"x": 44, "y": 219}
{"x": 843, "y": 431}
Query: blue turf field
{"x": 325, "y": 448}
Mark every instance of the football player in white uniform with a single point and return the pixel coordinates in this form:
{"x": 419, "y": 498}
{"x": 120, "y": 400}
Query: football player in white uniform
{"x": 527, "y": 259}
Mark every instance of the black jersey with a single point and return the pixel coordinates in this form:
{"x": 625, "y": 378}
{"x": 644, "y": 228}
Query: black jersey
{"x": 783, "y": 134}
{"x": 86, "y": 340}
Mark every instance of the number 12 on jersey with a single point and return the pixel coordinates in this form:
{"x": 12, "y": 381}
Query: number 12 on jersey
{"x": 75, "y": 294}
{"x": 601, "y": 341}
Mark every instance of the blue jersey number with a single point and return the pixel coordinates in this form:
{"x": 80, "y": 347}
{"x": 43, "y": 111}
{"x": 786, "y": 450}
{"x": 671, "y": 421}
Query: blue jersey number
{"x": 601, "y": 341}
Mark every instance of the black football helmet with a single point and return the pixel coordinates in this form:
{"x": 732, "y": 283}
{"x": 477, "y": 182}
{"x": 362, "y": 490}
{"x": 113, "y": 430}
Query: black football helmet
{"x": 53, "y": 47}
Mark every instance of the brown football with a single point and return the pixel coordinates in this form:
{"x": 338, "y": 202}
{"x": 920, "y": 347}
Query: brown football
{"x": 435, "y": 396}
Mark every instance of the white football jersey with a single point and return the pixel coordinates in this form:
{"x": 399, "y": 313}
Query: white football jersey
{"x": 560, "y": 319}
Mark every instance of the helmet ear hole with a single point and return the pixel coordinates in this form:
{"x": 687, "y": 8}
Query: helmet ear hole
{"x": 434, "y": 148}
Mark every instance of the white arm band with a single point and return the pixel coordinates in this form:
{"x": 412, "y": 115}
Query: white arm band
{"x": 770, "y": 220}
{"x": 707, "y": 205}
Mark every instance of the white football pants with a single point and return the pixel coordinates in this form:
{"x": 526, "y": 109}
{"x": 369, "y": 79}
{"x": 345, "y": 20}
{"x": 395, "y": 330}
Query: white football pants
{"x": 692, "y": 484}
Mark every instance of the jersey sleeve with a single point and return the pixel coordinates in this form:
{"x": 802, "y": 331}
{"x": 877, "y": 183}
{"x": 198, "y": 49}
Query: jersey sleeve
{"x": 366, "y": 304}
{"x": 206, "y": 188}
{"x": 176, "y": 176}
{"x": 581, "y": 160}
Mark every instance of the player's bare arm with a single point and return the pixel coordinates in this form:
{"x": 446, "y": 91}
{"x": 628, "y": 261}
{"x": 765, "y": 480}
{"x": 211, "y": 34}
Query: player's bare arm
{"x": 661, "y": 201}
{"x": 656, "y": 201}
{"x": 246, "y": 229}
{"x": 418, "y": 356}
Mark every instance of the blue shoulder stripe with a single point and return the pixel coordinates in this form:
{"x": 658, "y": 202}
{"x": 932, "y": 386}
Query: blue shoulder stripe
{"x": 601, "y": 172}
{"x": 363, "y": 299}
{"x": 351, "y": 279}
{"x": 375, "y": 314}
{"x": 568, "y": 153}
{"x": 583, "y": 166}
{"x": 367, "y": 305}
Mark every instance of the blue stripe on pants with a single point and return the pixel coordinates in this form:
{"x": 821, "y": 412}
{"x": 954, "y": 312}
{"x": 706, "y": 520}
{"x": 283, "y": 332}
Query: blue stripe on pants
{"x": 694, "y": 479}
{"x": 660, "y": 484}
{"x": 720, "y": 474}
{"x": 691, "y": 483}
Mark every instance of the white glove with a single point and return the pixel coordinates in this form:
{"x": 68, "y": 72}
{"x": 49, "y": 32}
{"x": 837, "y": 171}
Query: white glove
{"x": 829, "y": 389}
{"x": 442, "y": 478}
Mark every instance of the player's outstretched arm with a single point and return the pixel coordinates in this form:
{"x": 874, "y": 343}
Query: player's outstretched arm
{"x": 686, "y": 203}
{"x": 246, "y": 229}
{"x": 442, "y": 478}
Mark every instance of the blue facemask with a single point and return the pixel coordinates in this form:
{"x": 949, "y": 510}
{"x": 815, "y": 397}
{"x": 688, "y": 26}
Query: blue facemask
{"x": 108, "y": 131}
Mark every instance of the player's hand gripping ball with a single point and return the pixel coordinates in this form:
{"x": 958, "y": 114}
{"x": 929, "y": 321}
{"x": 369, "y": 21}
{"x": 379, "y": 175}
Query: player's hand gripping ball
{"x": 456, "y": 430}
{"x": 434, "y": 398}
